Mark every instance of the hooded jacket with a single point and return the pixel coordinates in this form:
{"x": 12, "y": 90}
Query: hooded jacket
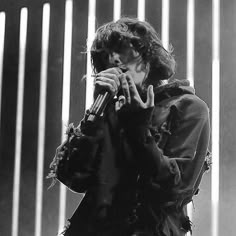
{"x": 138, "y": 169}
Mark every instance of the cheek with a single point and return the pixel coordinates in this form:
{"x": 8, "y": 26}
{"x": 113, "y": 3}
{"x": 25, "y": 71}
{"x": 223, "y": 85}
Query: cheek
{"x": 138, "y": 77}
{"x": 138, "y": 73}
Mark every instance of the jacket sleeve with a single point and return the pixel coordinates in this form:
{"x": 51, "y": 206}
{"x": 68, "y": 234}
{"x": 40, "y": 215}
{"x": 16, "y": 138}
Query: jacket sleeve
{"x": 173, "y": 172}
{"x": 76, "y": 159}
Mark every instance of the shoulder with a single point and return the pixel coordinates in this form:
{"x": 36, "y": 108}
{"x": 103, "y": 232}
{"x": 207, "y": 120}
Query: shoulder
{"x": 192, "y": 106}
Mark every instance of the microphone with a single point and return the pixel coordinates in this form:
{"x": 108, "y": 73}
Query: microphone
{"x": 101, "y": 102}
{"x": 99, "y": 105}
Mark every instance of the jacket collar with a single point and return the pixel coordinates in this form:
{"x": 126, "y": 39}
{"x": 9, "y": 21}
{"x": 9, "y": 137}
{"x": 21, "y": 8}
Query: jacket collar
{"x": 174, "y": 87}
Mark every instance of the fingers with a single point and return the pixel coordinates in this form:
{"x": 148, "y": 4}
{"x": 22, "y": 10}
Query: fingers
{"x": 107, "y": 80}
{"x": 150, "y": 97}
{"x": 114, "y": 70}
{"x": 112, "y": 79}
{"x": 132, "y": 95}
{"x": 105, "y": 83}
{"x": 111, "y": 76}
{"x": 132, "y": 87}
{"x": 125, "y": 87}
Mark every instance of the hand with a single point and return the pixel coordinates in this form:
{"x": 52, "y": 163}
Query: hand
{"x": 107, "y": 80}
{"x": 131, "y": 95}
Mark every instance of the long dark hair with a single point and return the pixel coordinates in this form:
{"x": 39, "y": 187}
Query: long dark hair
{"x": 119, "y": 35}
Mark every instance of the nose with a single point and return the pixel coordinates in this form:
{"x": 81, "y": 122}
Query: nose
{"x": 114, "y": 59}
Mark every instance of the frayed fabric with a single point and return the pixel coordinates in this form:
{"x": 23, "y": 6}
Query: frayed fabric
{"x": 71, "y": 132}
{"x": 187, "y": 225}
{"x": 208, "y": 161}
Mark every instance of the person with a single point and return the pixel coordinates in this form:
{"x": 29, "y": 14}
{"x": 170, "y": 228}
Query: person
{"x": 140, "y": 161}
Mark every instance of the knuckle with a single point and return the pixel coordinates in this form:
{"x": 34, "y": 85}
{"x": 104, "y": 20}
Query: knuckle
{"x": 113, "y": 76}
{"x": 124, "y": 83}
{"x": 114, "y": 71}
{"x": 113, "y": 83}
{"x": 112, "y": 89}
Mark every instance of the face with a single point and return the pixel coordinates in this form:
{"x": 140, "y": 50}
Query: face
{"x": 131, "y": 61}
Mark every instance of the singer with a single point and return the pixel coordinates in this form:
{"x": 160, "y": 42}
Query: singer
{"x": 140, "y": 152}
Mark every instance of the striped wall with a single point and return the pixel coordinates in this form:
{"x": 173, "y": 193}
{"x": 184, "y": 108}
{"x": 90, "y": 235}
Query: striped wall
{"x": 42, "y": 64}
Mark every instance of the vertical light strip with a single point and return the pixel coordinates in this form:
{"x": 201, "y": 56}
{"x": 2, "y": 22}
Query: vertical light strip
{"x": 165, "y": 23}
{"x": 91, "y": 35}
{"x": 19, "y": 118}
{"x": 190, "y": 41}
{"x": 141, "y": 10}
{"x": 116, "y": 9}
{"x": 190, "y": 66}
{"x": 2, "y": 37}
{"x": 41, "y": 121}
{"x": 66, "y": 97}
{"x": 215, "y": 115}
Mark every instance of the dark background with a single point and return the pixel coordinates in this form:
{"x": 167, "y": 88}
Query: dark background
{"x": 104, "y": 12}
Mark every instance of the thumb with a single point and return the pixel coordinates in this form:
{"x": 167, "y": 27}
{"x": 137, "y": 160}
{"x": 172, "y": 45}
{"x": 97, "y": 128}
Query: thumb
{"x": 150, "y": 96}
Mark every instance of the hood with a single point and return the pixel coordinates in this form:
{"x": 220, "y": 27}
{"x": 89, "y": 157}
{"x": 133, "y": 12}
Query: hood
{"x": 174, "y": 87}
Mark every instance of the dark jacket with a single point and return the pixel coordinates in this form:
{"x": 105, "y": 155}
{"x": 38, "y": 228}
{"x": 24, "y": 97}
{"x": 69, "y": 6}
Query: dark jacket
{"x": 138, "y": 169}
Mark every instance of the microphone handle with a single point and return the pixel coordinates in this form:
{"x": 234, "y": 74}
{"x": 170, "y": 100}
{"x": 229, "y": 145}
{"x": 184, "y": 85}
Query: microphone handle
{"x": 99, "y": 105}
